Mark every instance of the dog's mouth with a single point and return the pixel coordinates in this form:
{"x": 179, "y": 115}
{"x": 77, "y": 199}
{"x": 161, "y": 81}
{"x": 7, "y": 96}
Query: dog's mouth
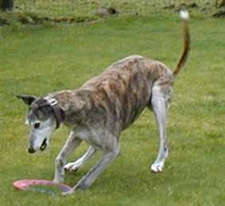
{"x": 44, "y": 145}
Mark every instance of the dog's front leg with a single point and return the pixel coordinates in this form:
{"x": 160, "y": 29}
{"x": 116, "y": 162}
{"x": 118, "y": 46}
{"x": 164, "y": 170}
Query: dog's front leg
{"x": 74, "y": 166}
{"x": 87, "y": 180}
{"x": 72, "y": 142}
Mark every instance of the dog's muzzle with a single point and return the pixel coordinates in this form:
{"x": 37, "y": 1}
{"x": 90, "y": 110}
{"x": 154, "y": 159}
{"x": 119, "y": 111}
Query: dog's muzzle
{"x": 43, "y": 145}
{"x": 31, "y": 150}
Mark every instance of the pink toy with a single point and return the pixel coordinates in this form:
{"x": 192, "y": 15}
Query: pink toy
{"x": 28, "y": 184}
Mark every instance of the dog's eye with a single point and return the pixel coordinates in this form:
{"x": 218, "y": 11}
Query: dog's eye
{"x": 36, "y": 125}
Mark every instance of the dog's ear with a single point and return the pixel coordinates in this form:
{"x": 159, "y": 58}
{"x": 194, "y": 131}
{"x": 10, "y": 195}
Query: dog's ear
{"x": 27, "y": 99}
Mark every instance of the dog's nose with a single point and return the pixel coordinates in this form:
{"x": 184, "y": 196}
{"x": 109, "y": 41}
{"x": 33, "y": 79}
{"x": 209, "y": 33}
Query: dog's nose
{"x": 31, "y": 150}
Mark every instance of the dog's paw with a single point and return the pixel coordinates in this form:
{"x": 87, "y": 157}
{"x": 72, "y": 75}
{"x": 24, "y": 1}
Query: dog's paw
{"x": 70, "y": 192}
{"x": 157, "y": 167}
{"x": 72, "y": 167}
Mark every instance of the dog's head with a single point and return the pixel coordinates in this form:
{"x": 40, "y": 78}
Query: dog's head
{"x": 42, "y": 120}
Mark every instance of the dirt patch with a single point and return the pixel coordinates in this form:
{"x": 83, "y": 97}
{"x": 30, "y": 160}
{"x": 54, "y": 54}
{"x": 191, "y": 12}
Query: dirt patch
{"x": 219, "y": 14}
{"x": 31, "y": 18}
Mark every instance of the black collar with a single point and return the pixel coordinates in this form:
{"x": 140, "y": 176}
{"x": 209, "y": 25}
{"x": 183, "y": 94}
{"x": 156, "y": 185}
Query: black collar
{"x": 58, "y": 112}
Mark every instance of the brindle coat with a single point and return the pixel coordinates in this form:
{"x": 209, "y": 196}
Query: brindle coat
{"x": 114, "y": 99}
{"x": 102, "y": 108}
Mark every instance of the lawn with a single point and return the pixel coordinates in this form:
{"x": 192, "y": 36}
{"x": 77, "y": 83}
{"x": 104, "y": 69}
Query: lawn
{"x": 45, "y": 58}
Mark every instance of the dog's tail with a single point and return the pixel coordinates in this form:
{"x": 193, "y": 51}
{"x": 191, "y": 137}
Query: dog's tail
{"x": 185, "y": 17}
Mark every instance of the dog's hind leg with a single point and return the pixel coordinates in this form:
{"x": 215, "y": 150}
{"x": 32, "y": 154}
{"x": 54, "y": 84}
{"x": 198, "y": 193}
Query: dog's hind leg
{"x": 159, "y": 104}
{"x": 74, "y": 166}
{"x": 72, "y": 142}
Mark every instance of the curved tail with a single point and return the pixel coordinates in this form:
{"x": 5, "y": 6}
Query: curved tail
{"x": 185, "y": 17}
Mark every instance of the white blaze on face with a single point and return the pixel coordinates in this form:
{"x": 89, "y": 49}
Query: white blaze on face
{"x": 40, "y": 133}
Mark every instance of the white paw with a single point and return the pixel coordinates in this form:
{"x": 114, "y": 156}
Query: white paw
{"x": 157, "y": 167}
{"x": 70, "y": 192}
{"x": 72, "y": 167}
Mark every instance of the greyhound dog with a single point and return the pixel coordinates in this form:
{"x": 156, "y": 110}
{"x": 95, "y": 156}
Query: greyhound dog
{"x": 102, "y": 108}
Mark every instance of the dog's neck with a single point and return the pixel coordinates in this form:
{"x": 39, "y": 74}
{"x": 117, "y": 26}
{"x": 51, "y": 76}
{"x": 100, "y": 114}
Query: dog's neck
{"x": 72, "y": 106}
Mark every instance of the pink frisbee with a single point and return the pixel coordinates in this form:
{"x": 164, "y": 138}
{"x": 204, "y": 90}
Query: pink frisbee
{"x": 44, "y": 186}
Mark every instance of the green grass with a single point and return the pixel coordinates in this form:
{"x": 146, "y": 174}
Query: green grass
{"x": 88, "y": 7}
{"x": 69, "y": 7}
{"x": 41, "y": 59}
{"x": 77, "y": 11}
